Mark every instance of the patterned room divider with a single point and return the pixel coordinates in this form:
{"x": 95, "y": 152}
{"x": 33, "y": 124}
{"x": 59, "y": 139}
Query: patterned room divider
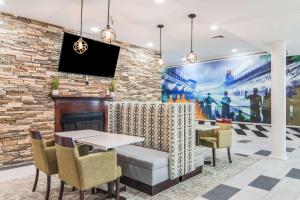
{"x": 165, "y": 127}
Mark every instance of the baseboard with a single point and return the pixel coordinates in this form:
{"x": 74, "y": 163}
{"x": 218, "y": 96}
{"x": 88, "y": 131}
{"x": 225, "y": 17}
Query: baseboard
{"x": 148, "y": 189}
{"x": 185, "y": 177}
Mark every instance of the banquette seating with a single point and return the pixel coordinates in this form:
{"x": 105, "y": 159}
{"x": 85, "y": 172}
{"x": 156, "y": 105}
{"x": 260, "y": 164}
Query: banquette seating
{"x": 168, "y": 153}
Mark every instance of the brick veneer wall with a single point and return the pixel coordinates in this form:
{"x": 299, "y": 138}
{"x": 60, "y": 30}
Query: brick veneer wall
{"x": 29, "y": 55}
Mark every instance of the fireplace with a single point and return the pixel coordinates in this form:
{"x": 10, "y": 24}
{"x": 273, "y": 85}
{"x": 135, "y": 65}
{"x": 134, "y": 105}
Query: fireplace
{"x": 82, "y": 121}
{"x": 79, "y": 113}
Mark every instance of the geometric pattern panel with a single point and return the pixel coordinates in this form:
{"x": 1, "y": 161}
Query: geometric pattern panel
{"x": 165, "y": 127}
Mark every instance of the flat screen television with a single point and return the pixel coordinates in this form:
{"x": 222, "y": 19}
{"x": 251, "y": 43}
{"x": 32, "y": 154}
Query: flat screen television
{"x": 99, "y": 60}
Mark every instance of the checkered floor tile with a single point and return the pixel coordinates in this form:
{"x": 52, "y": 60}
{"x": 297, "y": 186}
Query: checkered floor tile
{"x": 264, "y": 131}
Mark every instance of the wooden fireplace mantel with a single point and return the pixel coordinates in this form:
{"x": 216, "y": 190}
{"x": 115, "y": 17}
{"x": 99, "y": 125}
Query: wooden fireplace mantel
{"x": 79, "y": 104}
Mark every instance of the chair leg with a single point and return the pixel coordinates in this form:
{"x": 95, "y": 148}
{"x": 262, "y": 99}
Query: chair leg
{"x": 214, "y": 156}
{"x": 81, "y": 194}
{"x": 229, "y": 156}
{"x": 110, "y": 189}
{"x": 48, "y": 187}
{"x": 61, "y": 192}
{"x": 36, "y": 179}
{"x": 93, "y": 190}
{"x": 118, "y": 189}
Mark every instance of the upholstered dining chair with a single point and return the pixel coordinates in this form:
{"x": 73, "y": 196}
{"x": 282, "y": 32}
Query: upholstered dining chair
{"x": 44, "y": 156}
{"x": 219, "y": 138}
{"x": 86, "y": 172}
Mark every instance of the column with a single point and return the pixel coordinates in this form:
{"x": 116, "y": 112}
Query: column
{"x": 278, "y": 100}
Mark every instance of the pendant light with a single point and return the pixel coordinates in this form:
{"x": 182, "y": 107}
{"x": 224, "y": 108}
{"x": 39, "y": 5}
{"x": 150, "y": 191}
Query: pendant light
{"x": 160, "y": 60}
{"x": 80, "y": 46}
{"x": 192, "y": 57}
{"x": 108, "y": 35}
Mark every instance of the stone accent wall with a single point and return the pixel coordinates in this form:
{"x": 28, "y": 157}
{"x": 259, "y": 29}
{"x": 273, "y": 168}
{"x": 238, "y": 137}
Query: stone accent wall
{"x": 29, "y": 55}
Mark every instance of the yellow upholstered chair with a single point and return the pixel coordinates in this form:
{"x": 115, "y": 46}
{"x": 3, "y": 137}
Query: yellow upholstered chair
{"x": 219, "y": 138}
{"x": 44, "y": 156}
{"x": 86, "y": 172}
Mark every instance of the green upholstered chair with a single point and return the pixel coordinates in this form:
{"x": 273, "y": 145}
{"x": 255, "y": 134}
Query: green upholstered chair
{"x": 44, "y": 156}
{"x": 220, "y": 138}
{"x": 86, "y": 172}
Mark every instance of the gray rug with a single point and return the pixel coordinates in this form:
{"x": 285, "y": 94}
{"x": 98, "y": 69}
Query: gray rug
{"x": 20, "y": 189}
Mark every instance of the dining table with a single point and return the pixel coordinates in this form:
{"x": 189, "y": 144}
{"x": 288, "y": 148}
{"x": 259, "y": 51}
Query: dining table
{"x": 101, "y": 140}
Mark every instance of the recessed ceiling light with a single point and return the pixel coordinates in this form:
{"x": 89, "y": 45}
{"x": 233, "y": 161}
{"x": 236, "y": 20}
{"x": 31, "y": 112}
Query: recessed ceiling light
{"x": 159, "y": 1}
{"x": 234, "y": 50}
{"x": 214, "y": 27}
{"x": 150, "y": 44}
{"x": 95, "y": 29}
{"x": 2, "y": 2}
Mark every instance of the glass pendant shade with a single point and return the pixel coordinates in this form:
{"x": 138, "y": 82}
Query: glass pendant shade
{"x": 80, "y": 46}
{"x": 191, "y": 57}
{"x": 108, "y": 34}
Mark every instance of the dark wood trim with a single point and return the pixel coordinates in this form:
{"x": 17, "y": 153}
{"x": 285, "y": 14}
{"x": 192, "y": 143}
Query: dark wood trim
{"x": 79, "y": 104}
{"x": 148, "y": 189}
{"x": 185, "y": 177}
{"x": 64, "y": 141}
{"x": 35, "y": 134}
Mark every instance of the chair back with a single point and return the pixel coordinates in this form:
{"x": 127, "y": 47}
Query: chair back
{"x": 223, "y": 126}
{"x": 38, "y": 150}
{"x": 224, "y": 135}
{"x": 67, "y": 156}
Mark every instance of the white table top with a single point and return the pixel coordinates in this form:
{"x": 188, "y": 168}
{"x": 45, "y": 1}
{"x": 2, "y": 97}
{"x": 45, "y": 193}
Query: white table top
{"x": 201, "y": 127}
{"x": 109, "y": 140}
{"x": 80, "y": 134}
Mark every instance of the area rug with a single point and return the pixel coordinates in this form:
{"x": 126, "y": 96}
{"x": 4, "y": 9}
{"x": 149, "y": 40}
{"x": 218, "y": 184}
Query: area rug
{"x": 20, "y": 189}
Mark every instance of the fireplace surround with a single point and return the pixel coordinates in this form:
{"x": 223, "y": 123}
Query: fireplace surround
{"x": 77, "y": 113}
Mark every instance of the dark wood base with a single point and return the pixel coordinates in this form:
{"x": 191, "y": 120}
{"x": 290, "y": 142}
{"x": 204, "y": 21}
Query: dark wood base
{"x": 185, "y": 177}
{"x": 151, "y": 190}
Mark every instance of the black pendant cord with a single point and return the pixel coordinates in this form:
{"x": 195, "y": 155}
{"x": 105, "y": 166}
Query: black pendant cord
{"x": 160, "y": 42}
{"x": 81, "y": 18}
{"x": 192, "y": 23}
{"x": 108, "y": 14}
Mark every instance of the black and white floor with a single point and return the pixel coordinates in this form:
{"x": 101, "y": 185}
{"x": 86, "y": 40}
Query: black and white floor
{"x": 263, "y": 131}
{"x": 268, "y": 179}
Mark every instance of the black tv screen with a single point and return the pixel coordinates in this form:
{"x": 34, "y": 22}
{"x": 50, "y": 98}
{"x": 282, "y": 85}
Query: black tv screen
{"x": 99, "y": 60}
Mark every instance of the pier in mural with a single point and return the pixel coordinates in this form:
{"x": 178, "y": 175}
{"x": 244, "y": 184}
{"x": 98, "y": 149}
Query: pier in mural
{"x": 236, "y": 88}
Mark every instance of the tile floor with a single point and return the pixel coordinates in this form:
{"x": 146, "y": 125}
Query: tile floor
{"x": 267, "y": 179}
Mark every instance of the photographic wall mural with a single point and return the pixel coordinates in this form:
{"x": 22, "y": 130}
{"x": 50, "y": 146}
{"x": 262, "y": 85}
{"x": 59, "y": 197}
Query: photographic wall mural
{"x": 236, "y": 88}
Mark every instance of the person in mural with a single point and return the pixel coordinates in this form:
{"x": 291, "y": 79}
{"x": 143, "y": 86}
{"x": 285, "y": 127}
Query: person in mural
{"x": 266, "y": 108}
{"x": 208, "y": 101}
{"x": 183, "y": 98}
{"x": 178, "y": 100}
{"x": 240, "y": 117}
{"x": 226, "y": 105}
{"x": 170, "y": 99}
{"x": 255, "y": 105}
{"x": 229, "y": 77}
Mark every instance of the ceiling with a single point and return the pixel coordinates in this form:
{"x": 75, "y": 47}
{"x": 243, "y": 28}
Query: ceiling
{"x": 250, "y": 26}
